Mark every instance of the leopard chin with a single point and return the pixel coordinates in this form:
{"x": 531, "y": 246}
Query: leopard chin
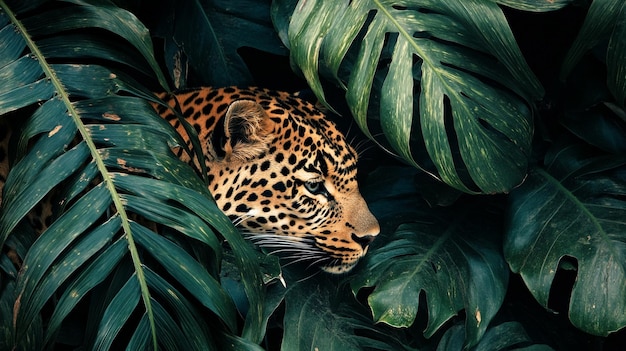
{"x": 340, "y": 268}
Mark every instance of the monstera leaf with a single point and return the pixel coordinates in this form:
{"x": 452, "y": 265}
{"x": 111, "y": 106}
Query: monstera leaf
{"x": 91, "y": 143}
{"x": 506, "y": 336}
{"x": 449, "y": 255}
{"x": 322, "y": 314}
{"x": 605, "y": 21}
{"x": 201, "y": 34}
{"x": 571, "y": 214}
{"x": 311, "y": 323}
{"x": 445, "y": 79}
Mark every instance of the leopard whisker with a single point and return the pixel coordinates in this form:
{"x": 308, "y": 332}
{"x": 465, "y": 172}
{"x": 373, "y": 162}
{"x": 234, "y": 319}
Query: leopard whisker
{"x": 296, "y": 253}
{"x": 281, "y": 244}
{"x": 297, "y": 259}
{"x": 310, "y": 276}
{"x": 317, "y": 262}
{"x": 273, "y": 239}
{"x": 313, "y": 260}
{"x": 237, "y": 221}
{"x": 277, "y": 237}
{"x": 364, "y": 149}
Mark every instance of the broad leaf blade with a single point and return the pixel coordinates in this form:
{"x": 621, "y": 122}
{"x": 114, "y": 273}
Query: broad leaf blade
{"x": 199, "y": 32}
{"x": 573, "y": 209}
{"x": 16, "y": 207}
{"x": 505, "y": 336}
{"x": 469, "y": 117}
{"x": 443, "y": 253}
{"x": 312, "y": 324}
{"x": 52, "y": 151}
{"x": 83, "y": 249}
{"x": 599, "y": 22}
{"x": 615, "y": 62}
{"x": 536, "y": 6}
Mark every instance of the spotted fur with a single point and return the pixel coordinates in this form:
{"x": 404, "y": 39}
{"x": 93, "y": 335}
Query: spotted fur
{"x": 281, "y": 171}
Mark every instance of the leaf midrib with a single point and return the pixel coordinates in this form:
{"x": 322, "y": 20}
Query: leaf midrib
{"x": 578, "y": 204}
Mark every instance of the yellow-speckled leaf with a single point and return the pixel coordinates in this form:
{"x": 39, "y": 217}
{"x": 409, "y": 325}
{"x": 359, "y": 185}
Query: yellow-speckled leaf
{"x": 446, "y": 82}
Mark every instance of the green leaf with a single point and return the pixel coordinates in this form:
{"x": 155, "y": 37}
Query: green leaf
{"x": 311, "y": 324}
{"x": 536, "y": 6}
{"x": 75, "y": 257}
{"x": 600, "y": 21}
{"x": 141, "y": 336}
{"x": 455, "y": 87}
{"x": 36, "y": 292}
{"x": 20, "y": 74}
{"x": 192, "y": 326}
{"x": 505, "y": 336}
{"x": 117, "y": 313}
{"x": 234, "y": 343}
{"x": 458, "y": 56}
{"x": 189, "y": 273}
{"x": 198, "y": 32}
{"x": 245, "y": 256}
{"x": 179, "y": 219}
{"x": 105, "y": 16}
{"x": 12, "y": 44}
{"x": 79, "y": 46}
{"x": 33, "y": 339}
{"x": 89, "y": 278}
{"x": 25, "y": 193}
{"x": 604, "y": 22}
{"x": 573, "y": 211}
{"x": 127, "y": 110}
{"x": 589, "y": 112}
{"x": 443, "y": 253}
{"x": 616, "y": 65}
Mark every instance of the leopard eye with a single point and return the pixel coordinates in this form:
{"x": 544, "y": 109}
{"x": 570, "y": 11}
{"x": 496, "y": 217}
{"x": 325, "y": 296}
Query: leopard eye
{"x": 316, "y": 188}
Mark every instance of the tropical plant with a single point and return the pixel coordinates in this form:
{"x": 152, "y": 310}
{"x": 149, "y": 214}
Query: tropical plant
{"x": 94, "y": 139}
{"x": 500, "y": 191}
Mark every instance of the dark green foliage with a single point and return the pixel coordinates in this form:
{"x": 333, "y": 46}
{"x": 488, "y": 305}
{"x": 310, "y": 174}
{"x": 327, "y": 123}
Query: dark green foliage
{"x": 501, "y": 199}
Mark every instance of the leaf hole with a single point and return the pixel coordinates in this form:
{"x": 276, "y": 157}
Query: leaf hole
{"x": 561, "y": 289}
{"x": 487, "y": 126}
{"x": 453, "y": 141}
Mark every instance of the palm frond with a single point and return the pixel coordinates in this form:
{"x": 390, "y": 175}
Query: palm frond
{"x": 92, "y": 146}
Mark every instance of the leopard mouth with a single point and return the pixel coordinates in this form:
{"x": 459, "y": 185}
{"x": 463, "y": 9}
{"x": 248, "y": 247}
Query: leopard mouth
{"x": 301, "y": 250}
{"x": 339, "y": 267}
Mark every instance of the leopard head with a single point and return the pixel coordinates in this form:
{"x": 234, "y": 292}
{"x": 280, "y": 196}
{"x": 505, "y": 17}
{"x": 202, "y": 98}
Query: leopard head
{"x": 286, "y": 177}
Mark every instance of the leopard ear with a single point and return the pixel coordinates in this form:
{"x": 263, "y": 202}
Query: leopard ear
{"x": 247, "y": 129}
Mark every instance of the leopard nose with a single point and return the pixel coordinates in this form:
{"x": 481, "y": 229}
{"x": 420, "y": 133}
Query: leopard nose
{"x": 364, "y": 241}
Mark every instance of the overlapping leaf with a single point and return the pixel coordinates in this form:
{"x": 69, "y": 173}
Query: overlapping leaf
{"x": 506, "y": 336}
{"x": 604, "y": 21}
{"x": 201, "y": 33}
{"x": 446, "y": 254}
{"x": 77, "y": 138}
{"x": 314, "y": 320}
{"x": 445, "y": 79}
{"x": 574, "y": 211}
{"x": 311, "y": 324}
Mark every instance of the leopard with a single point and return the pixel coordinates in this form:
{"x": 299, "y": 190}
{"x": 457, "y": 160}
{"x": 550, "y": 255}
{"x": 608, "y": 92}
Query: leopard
{"x": 279, "y": 168}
